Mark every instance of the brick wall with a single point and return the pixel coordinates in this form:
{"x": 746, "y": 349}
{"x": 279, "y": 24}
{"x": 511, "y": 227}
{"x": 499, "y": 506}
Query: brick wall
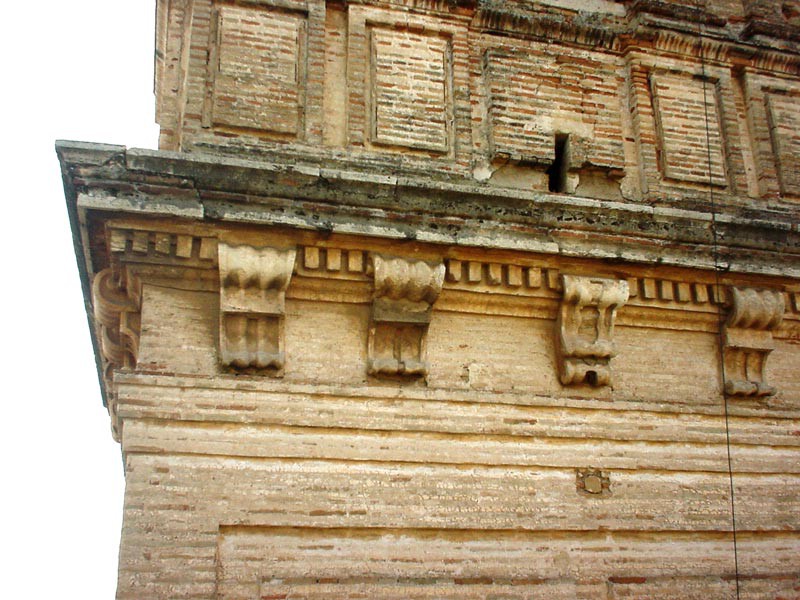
{"x": 784, "y": 125}
{"x": 441, "y": 91}
{"x": 389, "y": 132}
{"x": 330, "y": 482}
{"x": 536, "y": 91}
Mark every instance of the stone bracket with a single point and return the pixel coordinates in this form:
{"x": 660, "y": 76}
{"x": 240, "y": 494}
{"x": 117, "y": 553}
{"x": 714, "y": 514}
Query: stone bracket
{"x": 405, "y": 290}
{"x": 253, "y": 284}
{"x": 747, "y": 340}
{"x": 585, "y": 328}
{"x": 116, "y": 303}
{"x": 117, "y": 317}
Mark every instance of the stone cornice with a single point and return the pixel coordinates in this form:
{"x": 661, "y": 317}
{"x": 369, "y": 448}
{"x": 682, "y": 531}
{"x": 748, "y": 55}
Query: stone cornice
{"x": 673, "y": 10}
{"x": 456, "y": 212}
{"x": 581, "y": 30}
{"x": 178, "y": 205}
{"x": 171, "y": 220}
{"x": 665, "y": 26}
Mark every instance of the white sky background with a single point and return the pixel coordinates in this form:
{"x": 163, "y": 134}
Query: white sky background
{"x": 79, "y": 70}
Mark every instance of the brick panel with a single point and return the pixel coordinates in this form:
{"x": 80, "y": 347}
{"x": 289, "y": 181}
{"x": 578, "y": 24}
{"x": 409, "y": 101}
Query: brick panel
{"x": 392, "y": 588}
{"x": 410, "y": 97}
{"x": 260, "y": 77}
{"x": 275, "y": 562}
{"x": 681, "y": 108}
{"x": 784, "y": 123}
{"x": 535, "y": 93}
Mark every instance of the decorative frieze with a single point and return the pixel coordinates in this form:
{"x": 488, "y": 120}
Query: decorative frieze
{"x": 253, "y": 284}
{"x": 518, "y": 277}
{"x": 585, "y": 328}
{"x": 665, "y": 290}
{"x": 405, "y": 290}
{"x": 333, "y": 262}
{"x": 494, "y": 274}
{"x": 162, "y": 246}
{"x": 747, "y": 338}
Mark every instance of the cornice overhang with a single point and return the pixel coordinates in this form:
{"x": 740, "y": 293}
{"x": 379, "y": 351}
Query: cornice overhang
{"x": 649, "y": 25}
{"x": 105, "y": 182}
{"x": 70, "y": 154}
{"x": 461, "y": 212}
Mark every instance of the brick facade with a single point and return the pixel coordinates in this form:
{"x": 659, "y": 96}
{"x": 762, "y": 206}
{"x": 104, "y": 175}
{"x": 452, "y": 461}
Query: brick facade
{"x": 427, "y": 299}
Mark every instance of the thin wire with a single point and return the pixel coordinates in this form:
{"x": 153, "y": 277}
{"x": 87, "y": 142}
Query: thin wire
{"x": 717, "y": 287}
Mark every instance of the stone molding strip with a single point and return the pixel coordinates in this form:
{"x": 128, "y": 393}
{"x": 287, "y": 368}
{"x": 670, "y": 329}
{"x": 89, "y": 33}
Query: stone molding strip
{"x": 352, "y": 263}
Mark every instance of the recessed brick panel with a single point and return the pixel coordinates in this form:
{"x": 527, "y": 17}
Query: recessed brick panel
{"x": 535, "y": 93}
{"x": 682, "y": 108}
{"x": 410, "y": 96}
{"x": 784, "y": 124}
{"x": 377, "y": 564}
{"x": 260, "y": 76}
{"x": 394, "y": 588}
{"x": 678, "y": 588}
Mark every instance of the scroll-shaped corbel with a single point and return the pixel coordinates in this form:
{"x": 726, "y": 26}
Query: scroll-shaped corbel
{"x": 116, "y": 307}
{"x": 117, "y": 318}
{"x": 585, "y": 328}
{"x": 253, "y": 284}
{"x": 747, "y": 337}
{"x": 405, "y": 290}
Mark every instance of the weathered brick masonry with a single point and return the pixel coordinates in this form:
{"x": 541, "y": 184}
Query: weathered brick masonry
{"x": 455, "y": 299}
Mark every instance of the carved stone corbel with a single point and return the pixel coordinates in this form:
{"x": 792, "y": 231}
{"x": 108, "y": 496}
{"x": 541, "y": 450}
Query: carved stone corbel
{"x": 117, "y": 314}
{"x": 117, "y": 317}
{"x": 747, "y": 340}
{"x": 585, "y": 328}
{"x": 253, "y": 284}
{"x": 405, "y": 290}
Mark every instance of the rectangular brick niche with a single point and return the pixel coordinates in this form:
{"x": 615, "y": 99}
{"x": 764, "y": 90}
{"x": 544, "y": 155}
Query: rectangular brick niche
{"x": 410, "y": 75}
{"x": 681, "y": 107}
{"x": 535, "y": 93}
{"x": 784, "y": 125}
{"x": 376, "y": 564}
{"x": 259, "y": 79}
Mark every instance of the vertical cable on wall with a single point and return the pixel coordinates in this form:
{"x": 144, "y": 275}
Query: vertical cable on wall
{"x": 718, "y": 267}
